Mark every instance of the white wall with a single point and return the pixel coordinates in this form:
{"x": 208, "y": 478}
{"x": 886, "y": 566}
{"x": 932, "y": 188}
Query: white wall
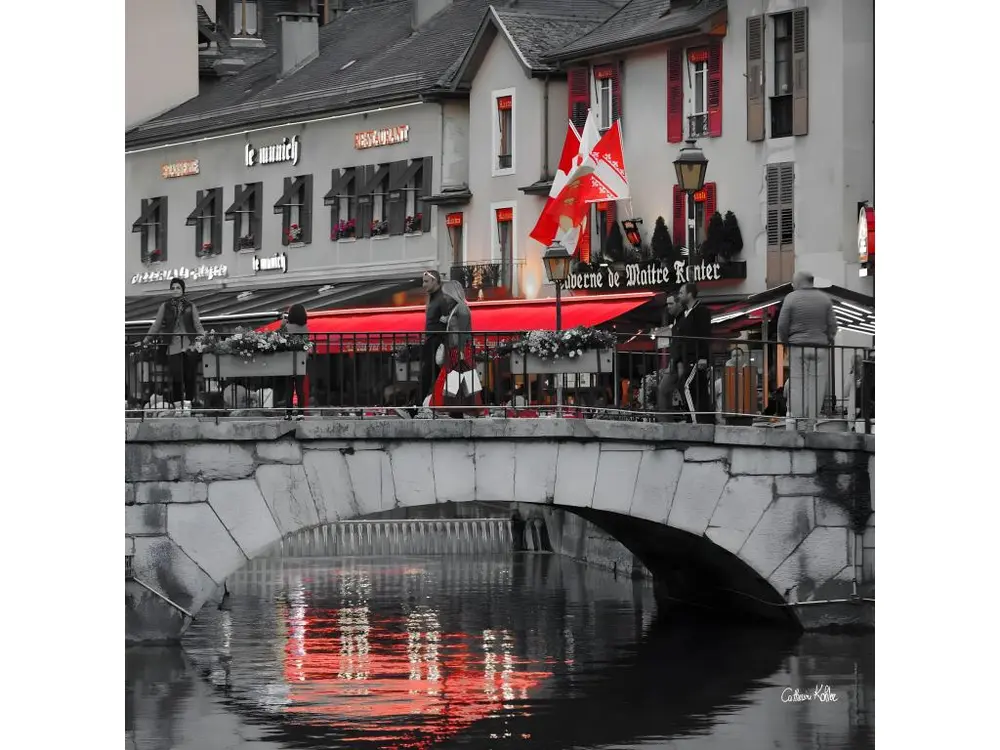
{"x": 161, "y": 56}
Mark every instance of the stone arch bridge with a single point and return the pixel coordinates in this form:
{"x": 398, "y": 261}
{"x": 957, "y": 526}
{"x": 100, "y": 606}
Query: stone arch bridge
{"x": 762, "y": 522}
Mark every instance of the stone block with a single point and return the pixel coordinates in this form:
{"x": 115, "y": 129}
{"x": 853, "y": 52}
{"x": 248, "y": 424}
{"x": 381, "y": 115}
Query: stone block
{"x": 200, "y": 534}
{"x": 743, "y": 502}
{"x": 776, "y": 438}
{"x": 731, "y": 435}
{"x": 868, "y": 443}
{"x": 129, "y": 494}
{"x": 820, "y": 558}
{"x": 655, "y": 484}
{"x": 330, "y": 483}
{"x": 576, "y": 473}
{"x": 131, "y": 429}
{"x": 170, "y": 492}
{"x": 265, "y": 430}
{"x": 701, "y": 453}
{"x": 797, "y": 486}
{"x": 782, "y": 527}
{"x": 146, "y": 520}
{"x": 280, "y": 452}
{"x": 167, "y": 431}
{"x": 803, "y": 462}
{"x": 209, "y": 461}
{"x": 616, "y": 476}
{"x": 868, "y": 565}
{"x": 830, "y": 514}
{"x": 145, "y": 462}
{"x": 286, "y": 492}
{"x": 454, "y": 471}
{"x": 868, "y": 538}
{"x": 160, "y": 563}
{"x": 760, "y": 461}
{"x": 871, "y": 475}
{"x": 698, "y": 492}
{"x": 535, "y": 472}
{"x": 834, "y": 441}
{"x": 413, "y": 473}
{"x": 371, "y": 477}
{"x": 240, "y": 506}
{"x": 494, "y": 470}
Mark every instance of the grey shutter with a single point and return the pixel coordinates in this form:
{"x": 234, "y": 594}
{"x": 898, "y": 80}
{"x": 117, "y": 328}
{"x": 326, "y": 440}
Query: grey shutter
{"x": 282, "y": 207}
{"x": 800, "y": 71}
{"x": 216, "y": 221}
{"x": 396, "y": 198}
{"x": 426, "y": 189}
{"x": 780, "y": 223}
{"x": 162, "y": 224}
{"x": 755, "y": 78}
{"x": 363, "y": 176}
{"x": 306, "y": 209}
{"x": 256, "y": 205}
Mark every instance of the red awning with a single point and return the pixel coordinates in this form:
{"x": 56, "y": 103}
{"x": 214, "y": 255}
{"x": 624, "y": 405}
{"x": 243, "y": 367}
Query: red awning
{"x": 500, "y": 316}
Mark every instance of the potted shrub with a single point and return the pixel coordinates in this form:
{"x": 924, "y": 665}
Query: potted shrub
{"x": 711, "y": 248}
{"x": 251, "y": 354}
{"x": 732, "y": 238}
{"x": 577, "y": 350}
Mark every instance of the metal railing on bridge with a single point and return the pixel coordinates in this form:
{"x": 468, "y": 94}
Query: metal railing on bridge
{"x": 645, "y": 376}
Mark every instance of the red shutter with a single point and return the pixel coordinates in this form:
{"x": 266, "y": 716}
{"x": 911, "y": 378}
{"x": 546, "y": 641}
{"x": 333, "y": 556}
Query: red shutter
{"x": 583, "y": 244}
{"x": 715, "y": 90}
{"x": 616, "y": 93}
{"x": 675, "y": 95}
{"x": 610, "y": 216}
{"x": 680, "y": 218}
{"x": 710, "y": 204}
{"x": 579, "y": 96}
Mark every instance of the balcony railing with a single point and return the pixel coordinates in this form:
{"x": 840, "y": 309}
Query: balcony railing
{"x": 697, "y": 126}
{"x": 492, "y": 275}
{"x": 642, "y": 378}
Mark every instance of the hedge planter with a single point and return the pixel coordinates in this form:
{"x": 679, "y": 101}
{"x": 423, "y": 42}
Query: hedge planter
{"x": 592, "y": 360}
{"x": 278, "y": 364}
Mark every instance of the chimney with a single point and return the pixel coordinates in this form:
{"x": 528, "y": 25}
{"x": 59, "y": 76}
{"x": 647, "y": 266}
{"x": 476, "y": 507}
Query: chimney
{"x": 299, "y": 39}
{"x": 424, "y": 10}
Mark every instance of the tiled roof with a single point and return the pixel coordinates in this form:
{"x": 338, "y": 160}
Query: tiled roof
{"x": 536, "y": 35}
{"x": 638, "y": 22}
{"x": 390, "y": 62}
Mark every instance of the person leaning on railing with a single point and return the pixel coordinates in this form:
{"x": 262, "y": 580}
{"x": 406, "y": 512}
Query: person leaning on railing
{"x": 178, "y": 319}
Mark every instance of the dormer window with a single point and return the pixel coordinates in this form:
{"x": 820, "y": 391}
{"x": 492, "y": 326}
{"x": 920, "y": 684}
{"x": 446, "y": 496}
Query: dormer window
{"x": 245, "y": 18}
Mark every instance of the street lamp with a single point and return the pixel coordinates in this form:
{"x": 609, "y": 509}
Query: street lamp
{"x": 691, "y": 166}
{"x": 557, "y": 260}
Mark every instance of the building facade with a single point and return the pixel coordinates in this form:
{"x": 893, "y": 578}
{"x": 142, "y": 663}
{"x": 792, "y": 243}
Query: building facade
{"x": 789, "y": 141}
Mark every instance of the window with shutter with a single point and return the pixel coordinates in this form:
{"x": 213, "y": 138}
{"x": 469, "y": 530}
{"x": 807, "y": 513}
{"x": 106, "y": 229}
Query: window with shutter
{"x": 755, "y": 78}
{"x": 342, "y": 199}
{"x": 247, "y": 215}
{"x": 698, "y": 97}
{"x": 396, "y": 197}
{"x": 426, "y": 190}
{"x": 295, "y": 207}
{"x": 781, "y": 100}
{"x": 607, "y": 89}
{"x": 152, "y": 228}
{"x": 715, "y": 90}
{"x": 800, "y": 71}
{"x": 780, "y": 223}
{"x": 579, "y": 96}
{"x": 675, "y": 95}
{"x": 207, "y": 222}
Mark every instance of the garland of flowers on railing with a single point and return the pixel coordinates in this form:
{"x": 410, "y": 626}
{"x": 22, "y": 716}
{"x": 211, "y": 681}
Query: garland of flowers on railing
{"x": 247, "y": 343}
{"x": 558, "y": 344}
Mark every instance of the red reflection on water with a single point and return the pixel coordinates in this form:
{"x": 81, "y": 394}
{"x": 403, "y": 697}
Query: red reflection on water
{"x": 400, "y": 682}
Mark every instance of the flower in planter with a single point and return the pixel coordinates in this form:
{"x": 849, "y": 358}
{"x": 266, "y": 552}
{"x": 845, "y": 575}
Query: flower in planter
{"x": 247, "y": 343}
{"x": 379, "y": 228}
{"x": 247, "y": 241}
{"x": 557, "y": 344}
{"x": 343, "y": 230}
{"x": 154, "y": 255}
{"x": 206, "y": 247}
{"x": 294, "y": 233}
{"x": 413, "y": 223}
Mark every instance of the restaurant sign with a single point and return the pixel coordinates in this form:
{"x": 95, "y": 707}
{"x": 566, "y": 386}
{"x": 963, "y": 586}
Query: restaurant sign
{"x": 277, "y": 262}
{"x": 180, "y": 169}
{"x": 188, "y": 274}
{"x": 653, "y": 275}
{"x": 382, "y": 137}
{"x": 285, "y": 150}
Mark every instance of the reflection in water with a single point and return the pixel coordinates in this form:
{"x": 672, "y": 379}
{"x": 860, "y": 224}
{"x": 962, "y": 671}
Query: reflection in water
{"x": 529, "y": 651}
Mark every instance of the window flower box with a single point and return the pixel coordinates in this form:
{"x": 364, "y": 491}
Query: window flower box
{"x": 344, "y": 230}
{"x": 154, "y": 256}
{"x": 294, "y": 233}
{"x": 379, "y": 228}
{"x": 247, "y": 243}
{"x": 413, "y": 224}
{"x": 276, "y": 364}
{"x": 586, "y": 361}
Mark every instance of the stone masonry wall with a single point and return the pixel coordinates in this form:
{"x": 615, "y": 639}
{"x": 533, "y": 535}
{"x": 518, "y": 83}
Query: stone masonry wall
{"x": 203, "y": 497}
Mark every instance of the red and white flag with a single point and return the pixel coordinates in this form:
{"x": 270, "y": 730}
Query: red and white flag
{"x": 608, "y": 157}
{"x": 548, "y": 222}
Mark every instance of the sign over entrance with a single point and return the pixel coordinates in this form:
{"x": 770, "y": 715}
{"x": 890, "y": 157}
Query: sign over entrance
{"x": 653, "y": 275}
{"x": 382, "y": 137}
{"x": 273, "y": 153}
{"x": 188, "y": 274}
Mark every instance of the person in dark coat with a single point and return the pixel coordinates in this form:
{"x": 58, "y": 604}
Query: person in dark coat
{"x": 439, "y": 307}
{"x": 178, "y": 320}
{"x": 693, "y": 331}
{"x": 669, "y": 385}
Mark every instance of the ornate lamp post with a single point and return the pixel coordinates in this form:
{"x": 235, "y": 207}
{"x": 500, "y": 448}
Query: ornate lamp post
{"x": 691, "y": 166}
{"x": 557, "y": 260}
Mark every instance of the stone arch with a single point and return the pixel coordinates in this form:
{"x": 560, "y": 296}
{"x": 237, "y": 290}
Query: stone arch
{"x": 203, "y": 498}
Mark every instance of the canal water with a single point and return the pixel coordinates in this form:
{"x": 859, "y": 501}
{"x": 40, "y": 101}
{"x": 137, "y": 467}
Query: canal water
{"x": 502, "y": 651}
